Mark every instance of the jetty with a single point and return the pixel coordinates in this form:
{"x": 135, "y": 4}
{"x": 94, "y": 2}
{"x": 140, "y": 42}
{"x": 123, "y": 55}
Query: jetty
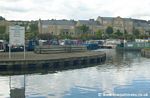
{"x": 133, "y": 46}
{"x": 145, "y": 52}
{"x": 49, "y": 61}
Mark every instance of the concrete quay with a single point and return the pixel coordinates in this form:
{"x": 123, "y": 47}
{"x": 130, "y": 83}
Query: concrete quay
{"x": 49, "y": 61}
{"x": 145, "y": 53}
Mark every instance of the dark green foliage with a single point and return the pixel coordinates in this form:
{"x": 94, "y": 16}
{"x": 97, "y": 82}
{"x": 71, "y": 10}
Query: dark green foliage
{"x": 46, "y": 36}
{"x": 34, "y": 28}
{"x": 32, "y": 32}
{"x": 99, "y": 34}
{"x": 2, "y": 29}
{"x": 2, "y": 18}
{"x": 64, "y": 37}
{"x": 118, "y": 34}
{"x": 109, "y": 30}
{"x": 136, "y": 33}
{"x": 83, "y": 28}
{"x": 3, "y": 34}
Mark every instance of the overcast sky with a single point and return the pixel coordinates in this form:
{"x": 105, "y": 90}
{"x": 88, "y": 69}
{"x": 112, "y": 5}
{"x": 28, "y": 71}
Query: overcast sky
{"x": 73, "y": 9}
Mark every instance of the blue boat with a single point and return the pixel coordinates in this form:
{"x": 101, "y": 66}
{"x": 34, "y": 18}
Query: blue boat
{"x": 91, "y": 45}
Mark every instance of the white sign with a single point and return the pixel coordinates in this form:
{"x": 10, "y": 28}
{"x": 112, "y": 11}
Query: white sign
{"x": 16, "y": 35}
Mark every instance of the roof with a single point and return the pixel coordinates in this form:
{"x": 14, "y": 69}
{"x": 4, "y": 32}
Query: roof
{"x": 88, "y": 22}
{"x": 58, "y": 22}
{"x": 108, "y": 18}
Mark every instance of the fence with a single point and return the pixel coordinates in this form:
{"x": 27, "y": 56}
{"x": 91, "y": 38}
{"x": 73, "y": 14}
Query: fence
{"x": 59, "y": 49}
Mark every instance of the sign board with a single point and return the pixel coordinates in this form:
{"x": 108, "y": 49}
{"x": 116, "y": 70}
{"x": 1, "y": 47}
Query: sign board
{"x": 16, "y": 35}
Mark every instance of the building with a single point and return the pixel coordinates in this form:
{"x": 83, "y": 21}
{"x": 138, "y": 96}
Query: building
{"x": 92, "y": 24}
{"x": 70, "y": 27}
{"x": 125, "y": 24}
{"x": 57, "y": 27}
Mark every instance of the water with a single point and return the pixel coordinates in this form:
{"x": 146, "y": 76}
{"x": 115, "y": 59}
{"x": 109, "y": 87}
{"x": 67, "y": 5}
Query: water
{"x": 124, "y": 75}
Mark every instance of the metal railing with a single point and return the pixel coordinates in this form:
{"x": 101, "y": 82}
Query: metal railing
{"x": 59, "y": 49}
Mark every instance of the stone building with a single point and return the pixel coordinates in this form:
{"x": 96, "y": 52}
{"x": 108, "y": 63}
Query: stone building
{"x": 142, "y": 25}
{"x": 128, "y": 25}
{"x": 92, "y": 24}
{"x": 69, "y": 27}
{"x": 124, "y": 24}
{"x": 57, "y": 27}
{"x": 105, "y": 21}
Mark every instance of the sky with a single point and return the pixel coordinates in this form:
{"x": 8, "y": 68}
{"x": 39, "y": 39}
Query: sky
{"x": 73, "y": 9}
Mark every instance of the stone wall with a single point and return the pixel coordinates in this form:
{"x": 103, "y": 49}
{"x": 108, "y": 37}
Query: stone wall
{"x": 145, "y": 53}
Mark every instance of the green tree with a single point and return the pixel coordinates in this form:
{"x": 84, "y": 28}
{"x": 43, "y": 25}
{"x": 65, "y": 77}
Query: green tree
{"x": 130, "y": 37}
{"x": 144, "y": 36}
{"x": 3, "y": 32}
{"x": 2, "y": 29}
{"x": 46, "y": 36}
{"x": 84, "y": 36}
{"x": 32, "y": 33}
{"x": 99, "y": 34}
{"x": 34, "y": 27}
{"x": 125, "y": 34}
{"x": 83, "y": 28}
{"x": 2, "y": 18}
{"x": 119, "y": 34}
{"x": 64, "y": 36}
{"x": 109, "y": 30}
{"x": 136, "y": 33}
{"x": 6, "y": 37}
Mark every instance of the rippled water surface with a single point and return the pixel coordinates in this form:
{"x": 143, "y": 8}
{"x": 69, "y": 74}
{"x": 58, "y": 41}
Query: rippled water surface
{"x": 124, "y": 75}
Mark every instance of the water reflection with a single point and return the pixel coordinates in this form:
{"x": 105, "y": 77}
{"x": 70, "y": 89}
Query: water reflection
{"x": 17, "y": 86}
{"x": 124, "y": 72}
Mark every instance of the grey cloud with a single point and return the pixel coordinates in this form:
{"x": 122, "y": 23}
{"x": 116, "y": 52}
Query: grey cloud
{"x": 14, "y": 9}
{"x": 10, "y": 0}
{"x": 73, "y": 9}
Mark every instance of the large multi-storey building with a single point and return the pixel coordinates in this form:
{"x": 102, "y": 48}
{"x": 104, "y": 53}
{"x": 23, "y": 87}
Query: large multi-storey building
{"x": 91, "y": 24}
{"x": 57, "y": 27}
{"x": 125, "y": 24}
{"x": 69, "y": 27}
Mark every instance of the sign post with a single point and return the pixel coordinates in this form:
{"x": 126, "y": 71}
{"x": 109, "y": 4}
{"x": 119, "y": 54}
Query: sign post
{"x": 16, "y": 37}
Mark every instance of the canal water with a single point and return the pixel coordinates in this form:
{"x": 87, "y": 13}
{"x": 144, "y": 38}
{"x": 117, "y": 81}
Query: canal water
{"x": 124, "y": 75}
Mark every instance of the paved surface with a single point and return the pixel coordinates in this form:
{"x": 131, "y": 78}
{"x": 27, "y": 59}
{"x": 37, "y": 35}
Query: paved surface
{"x": 4, "y": 56}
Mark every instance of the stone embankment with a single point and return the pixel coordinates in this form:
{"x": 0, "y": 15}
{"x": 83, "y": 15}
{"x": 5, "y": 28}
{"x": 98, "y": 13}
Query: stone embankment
{"x": 49, "y": 61}
{"x": 145, "y": 52}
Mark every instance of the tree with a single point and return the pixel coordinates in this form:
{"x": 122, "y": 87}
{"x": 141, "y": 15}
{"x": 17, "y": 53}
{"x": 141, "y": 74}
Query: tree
{"x": 109, "y": 30}
{"x": 29, "y": 35}
{"x": 46, "y": 36}
{"x": 84, "y": 37}
{"x": 3, "y": 33}
{"x": 118, "y": 34}
{"x": 2, "y": 29}
{"x": 125, "y": 34}
{"x": 99, "y": 34}
{"x": 130, "y": 37}
{"x": 34, "y": 27}
{"x": 61, "y": 36}
{"x": 83, "y": 28}
{"x": 2, "y": 18}
{"x": 32, "y": 33}
{"x": 136, "y": 33}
